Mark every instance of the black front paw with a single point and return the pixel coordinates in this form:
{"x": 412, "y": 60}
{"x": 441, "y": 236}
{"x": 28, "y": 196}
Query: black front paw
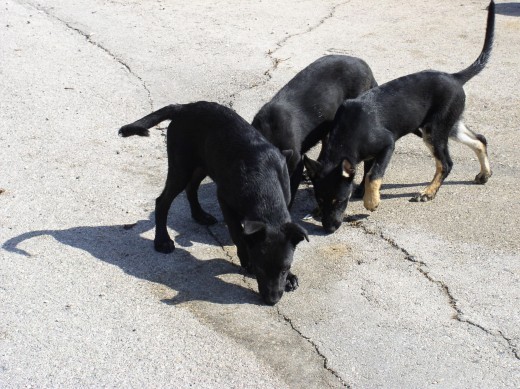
{"x": 359, "y": 192}
{"x": 165, "y": 247}
{"x": 292, "y": 282}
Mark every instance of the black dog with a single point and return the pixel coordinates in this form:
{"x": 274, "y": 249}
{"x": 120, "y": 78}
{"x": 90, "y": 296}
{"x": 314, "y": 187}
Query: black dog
{"x": 301, "y": 113}
{"x": 252, "y": 187}
{"x": 367, "y": 127}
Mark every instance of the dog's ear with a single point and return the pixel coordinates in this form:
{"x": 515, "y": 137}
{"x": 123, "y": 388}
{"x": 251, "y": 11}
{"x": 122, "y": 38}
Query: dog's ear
{"x": 252, "y": 227}
{"x": 313, "y": 167}
{"x": 253, "y": 231}
{"x": 347, "y": 170}
{"x": 287, "y": 154}
{"x": 295, "y": 233}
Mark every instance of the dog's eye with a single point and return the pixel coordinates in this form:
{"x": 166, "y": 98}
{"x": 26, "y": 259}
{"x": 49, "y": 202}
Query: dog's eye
{"x": 334, "y": 201}
{"x": 320, "y": 200}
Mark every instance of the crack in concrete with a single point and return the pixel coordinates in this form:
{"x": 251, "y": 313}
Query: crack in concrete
{"x": 316, "y": 348}
{"x": 285, "y": 318}
{"x": 459, "y": 316}
{"x": 276, "y": 61}
{"x": 88, "y": 38}
{"x": 514, "y": 348}
{"x": 279, "y": 44}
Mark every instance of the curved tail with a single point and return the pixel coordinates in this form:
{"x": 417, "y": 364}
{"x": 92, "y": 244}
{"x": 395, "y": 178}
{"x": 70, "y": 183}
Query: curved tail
{"x": 476, "y": 67}
{"x": 141, "y": 126}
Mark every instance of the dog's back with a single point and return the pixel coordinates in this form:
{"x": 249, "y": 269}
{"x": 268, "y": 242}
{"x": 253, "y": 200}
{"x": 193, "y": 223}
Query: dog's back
{"x": 311, "y": 98}
{"x": 405, "y": 104}
{"x": 248, "y": 170}
{"x": 325, "y": 83}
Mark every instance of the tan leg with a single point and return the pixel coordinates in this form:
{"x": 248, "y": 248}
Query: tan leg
{"x": 472, "y": 140}
{"x": 371, "y": 199}
{"x": 431, "y": 190}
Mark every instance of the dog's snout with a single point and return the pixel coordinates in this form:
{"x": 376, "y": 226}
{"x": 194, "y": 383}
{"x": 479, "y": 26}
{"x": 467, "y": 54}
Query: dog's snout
{"x": 331, "y": 226}
{"x": 272, "y": 298}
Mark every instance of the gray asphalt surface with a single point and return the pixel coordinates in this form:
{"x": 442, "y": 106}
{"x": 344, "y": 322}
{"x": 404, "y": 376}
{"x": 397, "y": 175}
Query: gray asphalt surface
{"x": 414, "y": 295}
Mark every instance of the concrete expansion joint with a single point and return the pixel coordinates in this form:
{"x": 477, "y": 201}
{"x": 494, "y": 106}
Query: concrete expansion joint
{"x": 276, "y": 61}
{"x": 315, "y": 346}
{"x": 420, "y": 265}
{"x": 89, "y": 39}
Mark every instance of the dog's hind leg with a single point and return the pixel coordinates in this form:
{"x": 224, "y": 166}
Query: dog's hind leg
{"x": 478, "y": 144}
{"x": 197, "y": 213}
{"x": 443, "y": 165}
{"x": 176, "y": 181}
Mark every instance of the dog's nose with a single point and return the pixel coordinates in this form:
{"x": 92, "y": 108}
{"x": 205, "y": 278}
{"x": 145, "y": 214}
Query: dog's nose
{"x": 272, "y": 298}
{"x": 330, "y": 228}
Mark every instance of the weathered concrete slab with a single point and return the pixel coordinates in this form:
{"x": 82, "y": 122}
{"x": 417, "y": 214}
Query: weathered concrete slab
{"x": 413, "y": 295}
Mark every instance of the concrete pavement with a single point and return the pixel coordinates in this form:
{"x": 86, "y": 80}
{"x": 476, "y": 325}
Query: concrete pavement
{"x": 412, "y": 295}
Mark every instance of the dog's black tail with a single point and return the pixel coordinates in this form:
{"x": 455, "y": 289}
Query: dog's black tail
{"x": 477, "y": 66}
{"x": 141, "y": 126}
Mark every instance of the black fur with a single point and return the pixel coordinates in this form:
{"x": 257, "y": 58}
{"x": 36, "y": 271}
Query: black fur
{"x": 301, "y": 113}
{"x": 252, "y": 187}
{"x": 366, "y": 129}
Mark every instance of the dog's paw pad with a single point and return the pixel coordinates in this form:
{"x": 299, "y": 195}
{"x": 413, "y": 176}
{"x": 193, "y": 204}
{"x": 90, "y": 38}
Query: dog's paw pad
{"x": 371, "y": 206}
{"x": 291, "y": 283}
{"x": 482, "y": 178}
{"x": 421, "y": 198}
{"x": 204, "y": 218}
{"x": 164, "y": 247}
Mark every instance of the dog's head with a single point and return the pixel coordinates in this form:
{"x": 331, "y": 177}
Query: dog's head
{"x": 332, "y": 188}
{"x": 270, "y": 250}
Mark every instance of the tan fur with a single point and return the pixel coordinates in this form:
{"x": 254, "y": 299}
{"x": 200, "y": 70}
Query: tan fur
{"x": 467, "y": 137}
{"x": 371, "y": 199}
{"x": 431, "y": 190}
{"x": 348, "y": 170}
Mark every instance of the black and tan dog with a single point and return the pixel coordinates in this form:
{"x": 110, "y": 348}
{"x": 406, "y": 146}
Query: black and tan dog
{"x": 301, "y": 113}
{"x": 252, "y": 187}
{"x": 366, "y": 129}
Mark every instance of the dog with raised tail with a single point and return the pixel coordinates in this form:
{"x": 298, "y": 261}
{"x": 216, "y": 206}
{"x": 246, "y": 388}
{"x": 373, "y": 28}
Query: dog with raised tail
{"x": 252, "y": 187}
{"x": 366, "y": 129}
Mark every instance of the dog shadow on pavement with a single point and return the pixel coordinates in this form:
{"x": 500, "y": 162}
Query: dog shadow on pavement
{"x": 189, "y": 278}
{"x": 508, "y": 9}
{"x": 418, "y": 186}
